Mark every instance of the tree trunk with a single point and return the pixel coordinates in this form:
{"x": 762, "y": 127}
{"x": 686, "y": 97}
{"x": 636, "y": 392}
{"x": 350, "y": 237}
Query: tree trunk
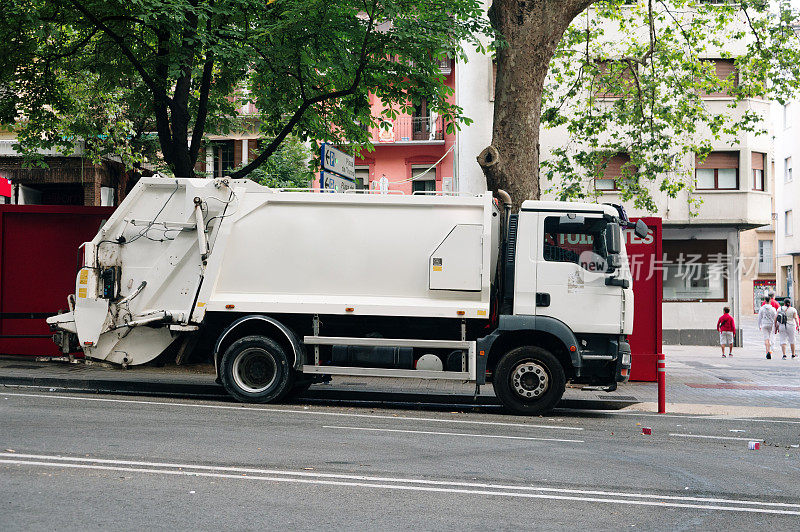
{"x": 532, "y": 30}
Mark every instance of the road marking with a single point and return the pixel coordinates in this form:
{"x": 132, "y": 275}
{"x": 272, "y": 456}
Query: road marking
{"x": 714, "y": 437}
{"x": 81, "y": 459}
{"x": 424, "y": 485}
{"x": 289, "y": 411}
{"x": 715, "y": 417}
{"x": 451, "y": 434}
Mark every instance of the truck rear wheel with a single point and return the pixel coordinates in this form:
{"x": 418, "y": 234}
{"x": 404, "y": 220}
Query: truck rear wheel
{"x": 529, "y": 380}
{"x": 255, "y": 369}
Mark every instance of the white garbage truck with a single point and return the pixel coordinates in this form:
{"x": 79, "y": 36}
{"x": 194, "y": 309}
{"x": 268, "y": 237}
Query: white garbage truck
{"x": 282, "y": 289}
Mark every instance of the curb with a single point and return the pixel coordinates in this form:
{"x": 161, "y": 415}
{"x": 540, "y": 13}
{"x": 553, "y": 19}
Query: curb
{"x": 314, "y": 393}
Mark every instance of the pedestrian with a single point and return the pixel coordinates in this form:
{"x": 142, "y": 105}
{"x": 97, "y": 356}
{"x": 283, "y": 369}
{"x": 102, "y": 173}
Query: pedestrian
{"x": 773, "y": 302}
{"x": 726, "y": 327}
{"x": 766, "y": 322}
{"x": 786, "y": 325}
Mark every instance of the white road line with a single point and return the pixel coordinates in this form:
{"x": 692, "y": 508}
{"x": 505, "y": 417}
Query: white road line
{"x": 714, "y": 437}
{"x": 451, "y": 434}
{"x": 241, "y": 408}
{"x": 714, "y": 417}
{"x": 369, "y": 478}
{"x": 404, "y": 487}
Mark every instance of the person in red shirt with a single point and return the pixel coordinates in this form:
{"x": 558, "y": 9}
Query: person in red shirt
{"x": 774, "y": 303}
{"x": 726, "y": 328}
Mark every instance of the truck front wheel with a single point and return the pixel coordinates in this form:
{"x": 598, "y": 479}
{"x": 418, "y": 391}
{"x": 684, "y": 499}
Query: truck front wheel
{"x": 529, "y": 380}
{"x": 255, "y": 369}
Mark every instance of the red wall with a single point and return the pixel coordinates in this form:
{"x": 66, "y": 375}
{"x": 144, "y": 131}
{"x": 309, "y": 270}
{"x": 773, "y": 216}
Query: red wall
{"x": 38, "y": 264}
{"x": 644, "y": 256}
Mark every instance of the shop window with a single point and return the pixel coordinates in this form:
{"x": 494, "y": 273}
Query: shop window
{"x": 695, "y": 270}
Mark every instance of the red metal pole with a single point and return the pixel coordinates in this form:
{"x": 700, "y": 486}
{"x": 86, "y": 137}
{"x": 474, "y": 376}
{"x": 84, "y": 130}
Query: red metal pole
{"x": 662, "y": 384}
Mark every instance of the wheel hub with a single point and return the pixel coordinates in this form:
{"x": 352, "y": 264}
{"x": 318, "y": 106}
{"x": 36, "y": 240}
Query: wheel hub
{"x": 530, "y": 380}
{"x": 254, "y": 370}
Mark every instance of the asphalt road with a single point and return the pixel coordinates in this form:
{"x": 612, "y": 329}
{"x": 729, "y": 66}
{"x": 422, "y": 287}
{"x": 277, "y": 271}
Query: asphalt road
{"x": 77, "y": 462}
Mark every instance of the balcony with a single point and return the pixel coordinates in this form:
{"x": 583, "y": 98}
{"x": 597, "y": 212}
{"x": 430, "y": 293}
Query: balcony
{"x": 8, "y": 149}
{"x": 411, "y": 130}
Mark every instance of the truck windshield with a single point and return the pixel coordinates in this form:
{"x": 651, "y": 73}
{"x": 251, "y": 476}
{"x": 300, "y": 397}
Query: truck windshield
{"x": 585, "y": 246}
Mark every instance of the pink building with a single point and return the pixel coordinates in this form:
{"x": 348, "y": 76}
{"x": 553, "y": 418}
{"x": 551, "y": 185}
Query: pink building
{"x": 415, "y": 154}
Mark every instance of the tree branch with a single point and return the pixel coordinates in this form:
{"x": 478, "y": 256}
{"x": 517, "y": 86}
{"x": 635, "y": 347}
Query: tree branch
{"x": 126, "y": 51}
{"x": 298, "y": 114}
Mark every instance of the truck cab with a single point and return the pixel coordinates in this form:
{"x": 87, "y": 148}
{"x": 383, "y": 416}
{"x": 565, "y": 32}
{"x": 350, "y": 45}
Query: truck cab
{"x": 567, "y": 296}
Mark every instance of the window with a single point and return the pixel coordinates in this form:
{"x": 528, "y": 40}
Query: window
{"x": 758, "y": 170}
{"x": 787, "y": 170}
{"x": 726, "y": 72}
{"x": 223, "y": 157}
{"x": 613, "y": 78}
{"x": 765, "y": 263}
{"x": 420, "y": 120}
{"x": 719, "y": 171}
{"x": 788, "y": 223}
{"x": 362, "y": 177}
{"x": 585, "y": 245}
{"x": 695, "y": 270}
{"x": 617, "y": 166}
{"x": 423, "y": 181}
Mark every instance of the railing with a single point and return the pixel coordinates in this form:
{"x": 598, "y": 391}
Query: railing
{"x": 411, "y": 129}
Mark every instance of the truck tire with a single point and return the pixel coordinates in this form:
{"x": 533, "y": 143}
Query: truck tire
{"x": 529, "y": 380}
{"x": 255, "y": 369}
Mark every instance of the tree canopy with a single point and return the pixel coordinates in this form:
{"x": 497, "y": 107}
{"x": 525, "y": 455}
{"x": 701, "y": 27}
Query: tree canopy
{"x": 629, "y": 77}
{"x": 645, "y": 94}
{"x": 129, "y": 75}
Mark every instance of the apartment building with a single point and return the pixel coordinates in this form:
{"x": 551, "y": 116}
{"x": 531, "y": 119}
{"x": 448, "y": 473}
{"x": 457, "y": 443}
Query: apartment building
{"x": 415, "y": 154}
{"x": 717, "y": 239}
{"x": 787, "y": 200}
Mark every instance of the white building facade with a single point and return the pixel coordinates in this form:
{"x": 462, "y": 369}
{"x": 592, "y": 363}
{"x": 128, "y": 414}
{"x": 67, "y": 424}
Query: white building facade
{"x": 703, "y": 266}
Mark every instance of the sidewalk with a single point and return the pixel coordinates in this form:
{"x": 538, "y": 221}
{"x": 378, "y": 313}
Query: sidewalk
{"x": 699, "y": 380}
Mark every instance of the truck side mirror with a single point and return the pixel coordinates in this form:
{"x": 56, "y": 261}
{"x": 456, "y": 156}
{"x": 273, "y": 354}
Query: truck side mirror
{"x": 613, "y": 239}
{"x": 570, "y": 222}
{"x": 641, "y": 230}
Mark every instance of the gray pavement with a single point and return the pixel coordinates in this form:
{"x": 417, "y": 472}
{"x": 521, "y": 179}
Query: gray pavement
{"x": 74, "y": 461}
{"x": 87, "y": 447}
{"x": 699, "y": 380}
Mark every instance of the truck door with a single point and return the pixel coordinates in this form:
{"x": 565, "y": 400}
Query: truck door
{"x": 572, "y": 269}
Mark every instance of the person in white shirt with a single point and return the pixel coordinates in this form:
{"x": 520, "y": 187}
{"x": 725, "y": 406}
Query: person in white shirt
{"x": 766, "y": 322}
{"x": 786, "y": 324}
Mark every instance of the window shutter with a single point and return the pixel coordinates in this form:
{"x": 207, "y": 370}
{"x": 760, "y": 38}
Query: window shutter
{"x": 726, "y": 70}
{"x": 757, "y": 160}
{"x": 719, "y": 159}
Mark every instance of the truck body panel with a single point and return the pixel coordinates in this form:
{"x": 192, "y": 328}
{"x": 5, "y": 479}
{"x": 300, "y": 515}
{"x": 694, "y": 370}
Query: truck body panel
{"x": 300, "y": 285}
